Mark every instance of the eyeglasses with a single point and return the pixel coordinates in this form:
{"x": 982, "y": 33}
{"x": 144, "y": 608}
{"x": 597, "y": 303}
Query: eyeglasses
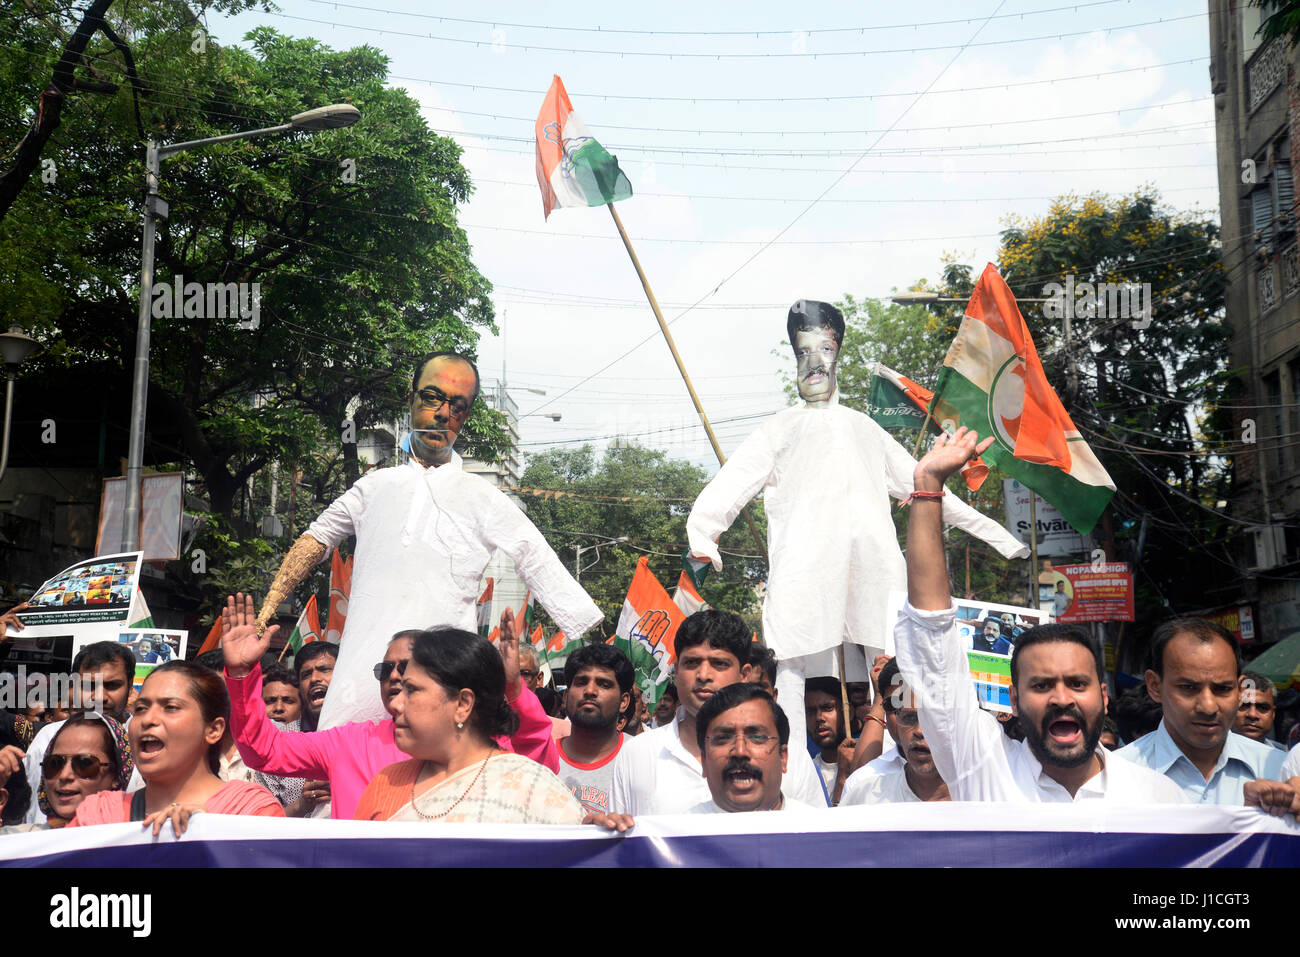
{"x": 432, "y": 398}
{"x": 83, "y": 765}
{"x": 725, "y": 739}
{"x": 525, "y": 673}
{"x": 384, "y": 670}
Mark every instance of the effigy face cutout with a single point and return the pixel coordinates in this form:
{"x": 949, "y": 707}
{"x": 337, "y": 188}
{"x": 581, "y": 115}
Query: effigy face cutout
{"x": 440, "y": 406}
{"x": 817, "y": 355}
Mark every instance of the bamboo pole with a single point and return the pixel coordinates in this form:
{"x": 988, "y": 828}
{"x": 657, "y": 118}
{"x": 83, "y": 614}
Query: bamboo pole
{"x": 672, "y": 347}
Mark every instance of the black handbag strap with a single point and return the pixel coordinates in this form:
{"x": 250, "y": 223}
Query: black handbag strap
{"x": 137, "y": 805}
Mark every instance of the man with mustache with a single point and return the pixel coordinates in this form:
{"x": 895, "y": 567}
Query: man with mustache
{"x": 1057, "y": 682}
{"x": 907, "y": 774}
{"x": 425, "y": 532}
{"x": 744, "y": 739}
{"x": 315, "y": 667}
{"x": 1258, "y": 709}
{"x": 827, "y": 474}
{"x": 1194, "y": 673}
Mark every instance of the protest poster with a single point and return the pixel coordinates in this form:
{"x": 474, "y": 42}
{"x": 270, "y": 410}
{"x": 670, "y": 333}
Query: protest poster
{"x": 90, "y": 601}
{"x": 1093, "y": 592}
{"x": 153, "y": 647}
{"x": 988, "y": 632}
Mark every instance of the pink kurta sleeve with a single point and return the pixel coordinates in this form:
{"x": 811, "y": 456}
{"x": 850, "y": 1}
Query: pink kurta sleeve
{"x": 106, "y": 807}
{"x": 303, "y": 754}
{"x": 244, "y": 797}
{"x": 533, "y": 739}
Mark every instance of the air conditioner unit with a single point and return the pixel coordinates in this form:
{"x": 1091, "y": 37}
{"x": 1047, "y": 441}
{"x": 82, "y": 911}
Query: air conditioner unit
{"x": 1269, "y": 546}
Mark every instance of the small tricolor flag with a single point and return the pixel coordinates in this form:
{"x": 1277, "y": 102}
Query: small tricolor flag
{"x": 896, "y": 402}
{"x": 213, "y": 641}
{"x": 646, "y": 628}
{"x": 483, "y": 610}
{"x": 572, "y": 168}
{"x": 993, "y": 382}
{"x": 308, "y": 627}
{"x": 687, "y": 597}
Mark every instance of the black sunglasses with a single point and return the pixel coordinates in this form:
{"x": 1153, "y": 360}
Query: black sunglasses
{"x": 384, "y": 670}
{"x": 83, "y": 765}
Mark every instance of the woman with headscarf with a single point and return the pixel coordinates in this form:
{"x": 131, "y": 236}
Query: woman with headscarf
{"x": 89, "y": 754}
{"x": 176, "y": 732}
{"x": 450, "y": 708}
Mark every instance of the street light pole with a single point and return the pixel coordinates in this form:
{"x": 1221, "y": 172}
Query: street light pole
{"x": 155, "y": 207}
{"x": 578, "y": 550}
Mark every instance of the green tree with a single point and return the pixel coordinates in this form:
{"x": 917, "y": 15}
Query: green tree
{"x": 1146, "y": 393}
{"x": 639, "y": 493}
{"x": 351, "y": 234}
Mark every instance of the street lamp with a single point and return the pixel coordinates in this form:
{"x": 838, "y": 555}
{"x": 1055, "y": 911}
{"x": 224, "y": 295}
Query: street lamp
{"x": 553, "y": 416}
{"x": 15, "y": 346}
{"x": 155, "y": 207}
{"x": 577, "y": 560}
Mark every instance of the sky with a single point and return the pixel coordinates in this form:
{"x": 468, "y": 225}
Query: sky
{"x": 776, "y": 152}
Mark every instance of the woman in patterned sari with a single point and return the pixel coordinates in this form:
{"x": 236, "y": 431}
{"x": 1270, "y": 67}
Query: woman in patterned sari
{"x": 451, "y": 706}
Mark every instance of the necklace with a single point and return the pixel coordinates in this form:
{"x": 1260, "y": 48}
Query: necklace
{"x": 434, "y": 817}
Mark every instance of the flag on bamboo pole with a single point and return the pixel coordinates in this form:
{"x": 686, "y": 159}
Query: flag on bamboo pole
{"x": 993, "y": 382}
{"x": 896, "y": 402}
{"x": 572, "y": 168}
{"x": 483, "y": 610}
{"x": 340, "y": 588}
{"x": 307, "y": 629}
{"x": 687, "y": 597}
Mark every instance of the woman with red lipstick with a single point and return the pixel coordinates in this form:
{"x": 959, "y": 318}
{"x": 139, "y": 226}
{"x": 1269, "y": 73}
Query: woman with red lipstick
{"x": 89, "y": 754}
{"x": 176, "y": 734}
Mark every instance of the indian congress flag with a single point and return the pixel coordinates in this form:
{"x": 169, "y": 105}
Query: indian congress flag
{"x": 572, "y": 168}
{"x": 647, "y": 626}
{"x": 993, "y": 382}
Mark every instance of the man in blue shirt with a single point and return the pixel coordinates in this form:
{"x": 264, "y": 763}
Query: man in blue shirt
{"x": 1194, "y": 670}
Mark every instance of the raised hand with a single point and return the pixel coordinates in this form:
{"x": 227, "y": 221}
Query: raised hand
{"x": 947, "y": 455}
{"x": 241, "y": 645}
{"x": 508, "y": 645}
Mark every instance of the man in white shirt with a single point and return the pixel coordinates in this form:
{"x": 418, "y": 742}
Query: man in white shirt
{"x": 908, "y": 774}
{"x": 744, "y": 738}
{"x": 824, "y": 714}
{"x": 659, "y": 771}
{"x": 425, "y": 533}
{"x": 1057, "y": 683}
{"x": 827, "y": 473}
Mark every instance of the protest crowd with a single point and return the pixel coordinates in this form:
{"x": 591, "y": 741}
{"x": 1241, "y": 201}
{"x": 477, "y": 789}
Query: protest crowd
{"x": 413, "y": 716}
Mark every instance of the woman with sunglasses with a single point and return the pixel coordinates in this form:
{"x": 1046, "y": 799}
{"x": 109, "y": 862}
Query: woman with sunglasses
{"x": 176, "y": 733}
{"x": 448, "y": 715}
{"x": 89, "y": 754}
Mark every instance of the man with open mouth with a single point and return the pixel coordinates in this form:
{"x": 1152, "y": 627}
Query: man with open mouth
{"x": 744, "y": 739}
{"x": 1057, "y": 683}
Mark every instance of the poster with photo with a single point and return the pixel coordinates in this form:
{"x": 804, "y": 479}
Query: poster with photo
{"x": 91, "y": 600}
{"x": 153, "y": 647}
{"x": 1093, "y": 592}
{"x": 988, "y": 631}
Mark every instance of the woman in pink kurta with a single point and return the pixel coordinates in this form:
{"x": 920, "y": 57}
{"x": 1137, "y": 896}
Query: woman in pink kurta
{"x": 176, "y": 732}
{"x": 350, "y": 755}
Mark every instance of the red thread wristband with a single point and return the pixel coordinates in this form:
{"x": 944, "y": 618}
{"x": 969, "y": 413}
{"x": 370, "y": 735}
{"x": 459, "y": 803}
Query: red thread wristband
{"x": 924, "y": 496}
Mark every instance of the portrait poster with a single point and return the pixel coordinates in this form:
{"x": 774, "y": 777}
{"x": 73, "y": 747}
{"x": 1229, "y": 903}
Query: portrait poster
{"x": 153, "y": 647}
{"x": 988, "y": 632}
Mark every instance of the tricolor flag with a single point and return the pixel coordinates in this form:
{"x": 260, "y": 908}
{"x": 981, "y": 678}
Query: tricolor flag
{"x": 896, "y": 402}
{"x": 556, "y": 652}
{"x": 646, "y": 629}
{"x": 524, "y": 620}
{"x": 308, "y": 627}
{"x": 213, "y": 641}
{"x": 572, "y": 168}
{"x": 687, "y": 597}
{"x": 483, "y": 610}
{"x": 141, "y": 616}
{"x": 993, "y": 382}
{"x": 340, "y": 588}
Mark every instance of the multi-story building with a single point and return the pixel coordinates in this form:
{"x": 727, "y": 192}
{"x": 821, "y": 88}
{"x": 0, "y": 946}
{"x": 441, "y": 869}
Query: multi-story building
{"x": 1256, "y": 88}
